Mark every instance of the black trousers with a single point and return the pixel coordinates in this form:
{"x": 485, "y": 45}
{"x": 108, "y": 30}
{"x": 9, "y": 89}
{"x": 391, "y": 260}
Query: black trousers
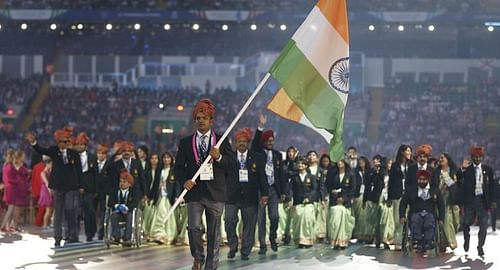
{"x": 100, "y": 202}
{"x": 423, "y": 227}
{"x": 470, "y": 211}
{"x": 249, "y": 219}
{"x": 272, "y": 208}
{"x": 89, "y": 214}
{"x": 66, "y": 206}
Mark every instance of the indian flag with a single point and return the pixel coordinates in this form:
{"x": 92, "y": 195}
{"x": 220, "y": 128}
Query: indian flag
{"x": 313, "y": 73}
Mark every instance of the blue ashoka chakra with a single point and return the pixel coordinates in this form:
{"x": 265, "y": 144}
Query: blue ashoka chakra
{"x": 339, "y": 75}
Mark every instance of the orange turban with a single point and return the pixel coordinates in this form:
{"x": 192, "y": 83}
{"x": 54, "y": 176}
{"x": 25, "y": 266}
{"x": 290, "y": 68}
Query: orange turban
{"x": 204, "y": 106}
{"x": 102, "y": 148}
{"x": 64, "y": 133}
{"x": 424, "y": 149}
{"x": 126, "y": 146}
{"x": 125, "y": 175}
{"x": 82, "y": 138}
{"x": 477, "y": 151}
{"x": 244, "y": 133}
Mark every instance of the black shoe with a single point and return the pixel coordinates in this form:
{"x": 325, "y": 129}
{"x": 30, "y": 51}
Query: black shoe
{"x": 480, "y": 251}
{"x": 386, "y": 246}
{"x": 100, "y": 238}
{"x": 231, "y": 254}
{"x": 90, "y": 239}
{"x": 244, "y": 258}
{"x": 286, "y": 240}
{"x": 57, "y": 243}
{"x": 466, "y": 245}
{"x": 72, "y": 241}
{"x": 262, "y": 251}
{"x": 274, "y": 245}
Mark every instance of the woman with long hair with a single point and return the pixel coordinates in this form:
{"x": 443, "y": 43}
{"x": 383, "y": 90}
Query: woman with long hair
{"x": 7, "y": 175}
{"x": 21, "y": 187}
{"x": 46, "y": 199}
{"x": 361, "y": 174}
{"x": 152, "y": 175}
{"x": 446, "y": 177}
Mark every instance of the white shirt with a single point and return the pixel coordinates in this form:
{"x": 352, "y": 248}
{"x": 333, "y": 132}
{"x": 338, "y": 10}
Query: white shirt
{"x": 424, "y": 193}
{"x": 84, "y": 161}
{"x": 479, "y": 179}
{"x": 422, "y": 167}
{"x": 127, "y": 163}
{"x": 206, "y": 140}
{"x": 242, "y": 157}
{"x": 302, "y": 176}
{"x": 313, "y": 169}
{"x": 100, "y": 164}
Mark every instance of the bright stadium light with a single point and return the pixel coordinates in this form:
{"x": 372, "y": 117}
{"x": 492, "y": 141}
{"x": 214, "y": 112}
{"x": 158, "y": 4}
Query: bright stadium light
{"x": 24, "y": 26}
{"x": 109, "y": 27}
{"x": 137, "y": 26}
{"x": 283, "y": 27}
{"x": 166, "y": 27}
{"x": 401, "y": 28}
{"x": 53, "y": 26}
{"x": 225, "y": 27}
{"x": 161, "y": 106}
{"x": 431, "y": 28}
{"x": 79, "y": 26}
{"x": 253, "y": 27}
{"x": 0, "y": 26}
{"x": 371, "y": 27}
{"x": 491, "y": 28}
{"x": 196, "y": 27}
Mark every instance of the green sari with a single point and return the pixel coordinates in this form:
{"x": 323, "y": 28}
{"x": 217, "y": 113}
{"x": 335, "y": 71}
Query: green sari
{"x": 304, "y": 224}
{"x": 341, "y": 226}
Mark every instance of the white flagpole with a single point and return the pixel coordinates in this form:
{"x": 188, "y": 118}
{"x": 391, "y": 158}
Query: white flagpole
{"x": 228, "y": 130}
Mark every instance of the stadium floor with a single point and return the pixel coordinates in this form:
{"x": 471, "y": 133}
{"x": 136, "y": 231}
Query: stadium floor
{"x": 33, "y": 250}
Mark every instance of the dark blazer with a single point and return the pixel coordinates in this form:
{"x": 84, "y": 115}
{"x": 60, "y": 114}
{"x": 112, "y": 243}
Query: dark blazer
{"x": 135, "y": 170}
{"x": 360, "y": 180}
{"x": 289, "y": 170}
{"x": 346, "y": 184}
{"x": 307, "y": 189}
{"x": 186, "y": 166}
{"x": 247, "y": 193}
{"x": 411, "y": 180}
{"x": 133, "y": 198}
{"x": 64, "y": 177}
{"x": 89, "y": 177}
{"x": 103, "y": 178}
{"x": 374, "y": 185}
{"x": 280, "y": 181}
{"x": 396, "y": 176}
{"x": 172, "y": 186}
{"x": 320, "y": 176}
{"x": 467, "y": 185}
{"x": 418, "y": 205}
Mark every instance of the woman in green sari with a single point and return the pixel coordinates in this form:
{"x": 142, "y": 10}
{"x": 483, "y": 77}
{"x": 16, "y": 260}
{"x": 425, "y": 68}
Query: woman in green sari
{"x": 446, "y": 177}
{"x": 320, "y": 205}
{"x": 151, "y": 174}
{"x": 340, "y": 186}
{"x": 359, "y": 212}
{"x": 163, "y": 230}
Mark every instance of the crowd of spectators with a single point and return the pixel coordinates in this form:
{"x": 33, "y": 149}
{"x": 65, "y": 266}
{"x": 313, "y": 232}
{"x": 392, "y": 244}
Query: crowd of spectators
{"x": 154, "y": 5}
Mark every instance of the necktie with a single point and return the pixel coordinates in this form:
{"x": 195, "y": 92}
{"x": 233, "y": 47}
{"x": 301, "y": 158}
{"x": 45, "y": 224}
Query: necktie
{"x": 270, "y": 168}
{"x": 65, "y": 157}
{"x": 127, "y": 165}
{"x": 203, "y": 146}
{"x": 242, "y": 161}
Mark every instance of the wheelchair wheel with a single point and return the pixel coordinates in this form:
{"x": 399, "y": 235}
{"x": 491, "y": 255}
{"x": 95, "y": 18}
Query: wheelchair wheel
{"x": 107, "y": 227}
{"x": 406, "y": 245}
{"x": 137, "y": 231}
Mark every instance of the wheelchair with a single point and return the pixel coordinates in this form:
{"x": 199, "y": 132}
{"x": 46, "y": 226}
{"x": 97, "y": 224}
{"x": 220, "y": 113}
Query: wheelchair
{"x": 137, "y": 231}
{"x": 409, "y": 244}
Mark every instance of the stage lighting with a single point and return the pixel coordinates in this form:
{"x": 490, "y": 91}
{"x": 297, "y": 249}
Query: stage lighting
{"x": 167, "y": 130}
{"x": 491, "y": 28}
{"x": 371, "y": 27}
{"x": 225, "y": 27}
{"x": 166, "y": 27}
{"x": 79, "y": 26}
{"x": 180, "y": 108}
{"x": 24, "y": 26}
{"x": 283, "y": 27}
{"x": 431, "y": 28}
{"x": 137, "y": 26}
{"x": 253, "y": 27}
{"x": 196, "y": 27}
{"x": 10, "y": 112}
{"x": 53, "y": 26}
{"x": 109, "y": 27}
{"x": 401, "y": 28}
{"x": 161, "y": 106}
{"x": 0, "y": 26}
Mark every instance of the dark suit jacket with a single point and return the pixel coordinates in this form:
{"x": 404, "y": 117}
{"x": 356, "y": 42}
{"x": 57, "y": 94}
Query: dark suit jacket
{"x": 133, "y": 198}
{"x": 374, "y": 185}
{"x": 411, "y": 180}
{"x": 186, "y": 166}
{"x": 307, "y": 189}
{"x": 396, "y": 176}
{"x": 172, "y": 186}
{"x": 247, "y": 193}
{"x": 280, "y": 181}
{"x": 467, "y": 185}
{"x": 417, "y": 204}
{"x": 320, "y": 176}
{"x": 103, "y": 178}
{"x": 346, "y": 184}
{"x": 64, "y": 177}
{"x": 89, "y": 177}
{"x": 135, "y": 170}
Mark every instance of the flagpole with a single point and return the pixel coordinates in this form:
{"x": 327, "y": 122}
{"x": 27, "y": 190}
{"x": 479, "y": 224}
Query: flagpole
{"x": 219, "y": 142}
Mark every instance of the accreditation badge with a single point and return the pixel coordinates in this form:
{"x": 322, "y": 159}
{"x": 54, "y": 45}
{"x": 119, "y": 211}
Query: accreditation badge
{"x": 207, "y": 174}
{"x": 243, "y": 176}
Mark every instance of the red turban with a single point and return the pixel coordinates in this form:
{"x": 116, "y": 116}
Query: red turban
{"x": 64, "y": 133}
{"x": 244, "y": 133}
{"x": 424, "y": 149}
{"x": 126, "y": 146}
{"x": 82, "y": 138}
{"x": 477, "y": 151}
{"x": 424, "y": 173}
{"x": 204, "y": 106}
{"x": 266, "y": 135}
{"x": 125, "y": 175}
{"x": 102, "y": 148}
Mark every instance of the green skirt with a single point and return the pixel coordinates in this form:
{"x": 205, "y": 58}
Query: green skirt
{"x": 359, "y": 214}
{"x": 387, "y": 223}
{"x": 451, "y": 215}
{"x": 304, "y": 224}
{"x": 285, "y": 218}
{"x": 341, "y": 226}
{"x": 368, "y": 224}
{"x": 181, "y": 223}
{"x": 147, "y": 218}
{"x": 398, "y": 228}
{"x": 320, "y": 226}
{"x": 163, "y": 230}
